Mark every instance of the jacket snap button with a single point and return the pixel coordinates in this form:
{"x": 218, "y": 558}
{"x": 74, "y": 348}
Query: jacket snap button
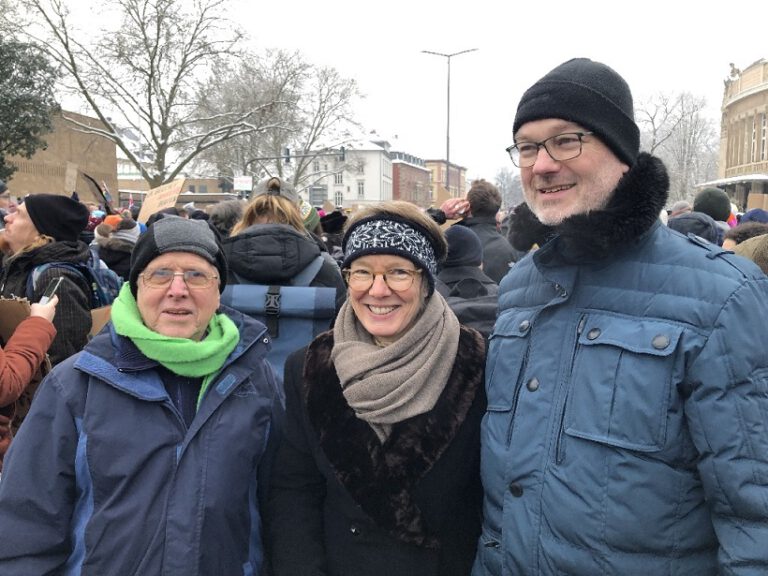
{"x": 355, "y": 530}
{"x": 532, "y": 385}
{"x": 515, "y": 489}
{"x": 524, "y": 326}
{"x": 265, "y": 340}
{"x": 593, "y": 334}
{"x": 660, "y": 342}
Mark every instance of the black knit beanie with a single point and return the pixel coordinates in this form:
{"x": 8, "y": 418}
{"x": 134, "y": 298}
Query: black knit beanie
{"x": 590, "y": 94}
{"x": 464, "y": 247}
{"x": 56, "y": 216}
{"x": 175, "y": 234}
{"x": 713, "y": 202}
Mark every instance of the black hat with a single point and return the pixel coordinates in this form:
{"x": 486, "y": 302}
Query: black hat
{"x": 590, "y": 94}
{"x": 56, "y": 216}
{"x": 464, "y": 247}
{"x": 696, "y": 223}
{"x": 3, "y": 187}
{"x": 713, "y": 202}
{"x": 175, "y": 234}
{"x": 333, "y": 222}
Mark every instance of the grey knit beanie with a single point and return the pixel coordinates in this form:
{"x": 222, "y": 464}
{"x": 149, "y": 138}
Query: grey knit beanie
{"x": 175, "y": 234}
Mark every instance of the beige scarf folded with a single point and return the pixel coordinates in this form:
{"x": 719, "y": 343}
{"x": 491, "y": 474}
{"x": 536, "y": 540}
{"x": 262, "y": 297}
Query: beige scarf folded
{"x": 404, "y": 379}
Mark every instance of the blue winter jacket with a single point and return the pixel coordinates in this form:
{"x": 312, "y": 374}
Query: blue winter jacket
{"x": 627, "y": 423}
{"x": 104, "y": 477}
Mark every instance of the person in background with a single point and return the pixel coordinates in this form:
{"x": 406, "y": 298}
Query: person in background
{"x": 20, "y": 359}
{"x": 754, "y": 215}
{"x": 471, "y": 294}
{"x": 627, "y": 423}
{"x": 7, "y": 204}
{"x": 462, "y": 272}
{"x": 148, "y": 452}
{"x": 116, "y": 250}
{"x": 378, "y": 471}
{"x": 45, "y": 229}
{"x": 270, "y": 244}
{"x": 715, "y": 203}
{"x": 744, "y": 231}
{"x": 755, "y": 249}
{"x": 680, "y": 207}
{"x": 697, "y": 223}
{"x": 224, "y": 215}
{"x": 484, "y": 202}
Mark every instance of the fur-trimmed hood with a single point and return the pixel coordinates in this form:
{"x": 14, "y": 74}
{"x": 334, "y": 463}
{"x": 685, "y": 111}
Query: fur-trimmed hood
{"x": 381, "y": 478}
{"x": 634, "y": 207}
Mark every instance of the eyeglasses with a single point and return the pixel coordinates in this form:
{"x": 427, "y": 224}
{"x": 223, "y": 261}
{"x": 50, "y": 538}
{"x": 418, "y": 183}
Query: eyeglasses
{"x": 162, "y": 278}
{"x": 561, "y": 147}
{"x": 397, "y": 279}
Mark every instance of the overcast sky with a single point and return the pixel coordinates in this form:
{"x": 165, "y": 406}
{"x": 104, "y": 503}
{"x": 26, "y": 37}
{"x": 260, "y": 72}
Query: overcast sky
{"x": 656, "y": 45}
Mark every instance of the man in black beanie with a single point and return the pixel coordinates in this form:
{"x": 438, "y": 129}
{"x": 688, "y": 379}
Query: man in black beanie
{"x": 627, "y": 424}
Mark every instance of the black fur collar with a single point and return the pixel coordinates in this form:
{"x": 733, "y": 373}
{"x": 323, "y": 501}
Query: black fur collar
{"x": 634, "y": 207}
{"x": 381, "y": 477}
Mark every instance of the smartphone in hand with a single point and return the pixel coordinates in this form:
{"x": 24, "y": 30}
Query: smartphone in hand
{"x": 51, "y": 289}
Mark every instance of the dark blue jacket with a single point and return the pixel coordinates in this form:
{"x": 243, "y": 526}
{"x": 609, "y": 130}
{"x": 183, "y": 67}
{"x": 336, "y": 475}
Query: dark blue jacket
{"x": 105, "y": 478}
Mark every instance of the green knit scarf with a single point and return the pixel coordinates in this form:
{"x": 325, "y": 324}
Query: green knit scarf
{"x": 181, "y": 356}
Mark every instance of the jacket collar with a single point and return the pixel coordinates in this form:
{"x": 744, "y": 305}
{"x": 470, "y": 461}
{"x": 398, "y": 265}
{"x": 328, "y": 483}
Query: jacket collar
{"x": 632, "y": 211}
{"x": 381, "y": 477}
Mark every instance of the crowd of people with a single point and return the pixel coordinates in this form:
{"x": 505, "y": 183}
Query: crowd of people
{"x": 579, "y": 388}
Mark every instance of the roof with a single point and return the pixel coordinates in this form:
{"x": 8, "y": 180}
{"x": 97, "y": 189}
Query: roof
{"x": 735, "y": 180}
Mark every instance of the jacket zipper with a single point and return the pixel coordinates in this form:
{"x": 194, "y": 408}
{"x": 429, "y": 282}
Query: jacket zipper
{"x": 560, "y": 444}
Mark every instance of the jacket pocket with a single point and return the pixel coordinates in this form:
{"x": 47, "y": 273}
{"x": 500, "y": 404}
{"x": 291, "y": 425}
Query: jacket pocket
{"x": 621, "y": 382}
{"x": 507, "y": 355}
{"x": 489, "y": 555}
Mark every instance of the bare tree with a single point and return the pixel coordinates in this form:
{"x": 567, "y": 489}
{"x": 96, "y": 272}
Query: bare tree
{"x": 303, "y": 142}
{"x": 675, "y": 128}
{"x": 510, "y": 188}
{"x": 146, "y": 75}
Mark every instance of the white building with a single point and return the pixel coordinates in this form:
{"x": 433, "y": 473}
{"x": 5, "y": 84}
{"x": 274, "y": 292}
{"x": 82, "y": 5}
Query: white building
{"x": 363, "y": 177}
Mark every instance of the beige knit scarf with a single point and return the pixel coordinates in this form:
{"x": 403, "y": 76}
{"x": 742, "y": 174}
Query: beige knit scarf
{"x": 386, "y": 385}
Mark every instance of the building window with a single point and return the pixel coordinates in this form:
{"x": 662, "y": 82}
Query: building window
{"x": 338, "y": 178}
{"x": 763, "y": 136}
{"x": 338, "y": 198}
{"x": 753, "y": 148}
{"x": 360, "y": 189}
{"x": 203, "y": 189}
{"x": 316, "y": 166}
{"x": 191, "y": 188}
{"x": 360, "y": 168}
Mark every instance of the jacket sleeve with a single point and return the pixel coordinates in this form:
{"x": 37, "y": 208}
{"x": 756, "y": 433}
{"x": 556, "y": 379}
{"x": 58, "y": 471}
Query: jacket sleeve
{"x": 73, "y": 314}
{"x": 297, "y": 491}
{"x": 37, "y": 490}
{"x": 727, "y": 412}
{"x": 23, "y": 355}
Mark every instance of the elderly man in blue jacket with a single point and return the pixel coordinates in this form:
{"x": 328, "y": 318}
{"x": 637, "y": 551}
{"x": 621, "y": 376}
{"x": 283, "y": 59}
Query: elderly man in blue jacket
{"x": 627, "y": 376}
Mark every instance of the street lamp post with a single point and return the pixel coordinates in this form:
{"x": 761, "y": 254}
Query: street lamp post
{"x": 448, "y": 113}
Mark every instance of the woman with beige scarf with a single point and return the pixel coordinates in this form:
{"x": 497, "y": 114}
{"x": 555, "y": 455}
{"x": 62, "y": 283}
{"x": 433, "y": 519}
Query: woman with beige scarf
{"x": 378, "y": 470}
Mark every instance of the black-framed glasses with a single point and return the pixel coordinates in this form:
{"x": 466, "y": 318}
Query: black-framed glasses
{"x": 162, "y": 278}
{"x": 398, "y": 279}
{"x": 560, "y": 147}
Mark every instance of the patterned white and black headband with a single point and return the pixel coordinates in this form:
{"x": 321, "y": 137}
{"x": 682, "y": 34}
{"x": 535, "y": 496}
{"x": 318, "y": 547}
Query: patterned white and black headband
{"x": 390, "y": 236}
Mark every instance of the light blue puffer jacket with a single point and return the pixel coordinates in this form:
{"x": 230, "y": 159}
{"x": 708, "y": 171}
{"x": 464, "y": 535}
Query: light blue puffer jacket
{"x": 627, "y": 423}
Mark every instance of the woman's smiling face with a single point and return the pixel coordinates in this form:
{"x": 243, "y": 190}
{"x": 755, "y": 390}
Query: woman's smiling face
{"x": 383, "y": 312}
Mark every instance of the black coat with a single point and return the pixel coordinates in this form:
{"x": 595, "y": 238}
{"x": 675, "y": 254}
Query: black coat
{"x": 274, "y": 254}
{"x": 498, "y": 253}
{"x": 73, "y": 312}
{"x": 343, "y": 504}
